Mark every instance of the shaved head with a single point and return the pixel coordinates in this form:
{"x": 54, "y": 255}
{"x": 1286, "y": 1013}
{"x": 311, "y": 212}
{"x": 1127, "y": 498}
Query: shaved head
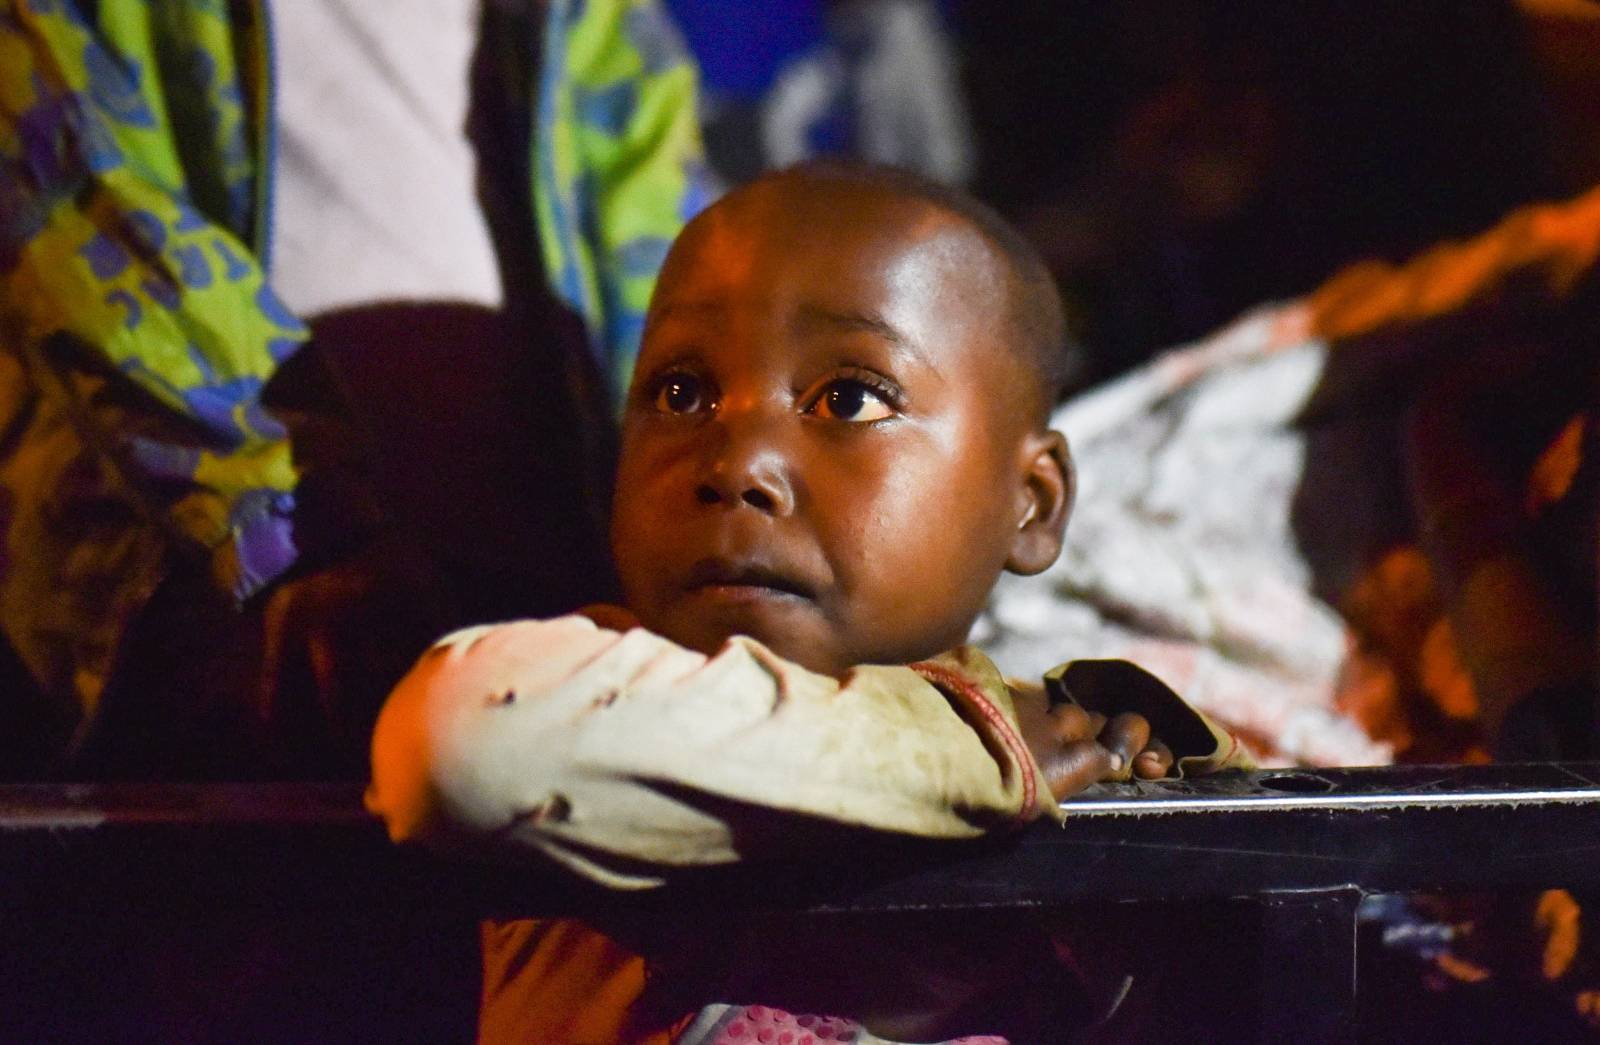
{"x": 1034, "y": 312}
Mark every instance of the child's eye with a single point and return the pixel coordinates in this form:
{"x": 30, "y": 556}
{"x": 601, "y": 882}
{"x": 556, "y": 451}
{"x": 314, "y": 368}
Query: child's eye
{"x": 680, "y": 393}
{"x": 850, "y": 400}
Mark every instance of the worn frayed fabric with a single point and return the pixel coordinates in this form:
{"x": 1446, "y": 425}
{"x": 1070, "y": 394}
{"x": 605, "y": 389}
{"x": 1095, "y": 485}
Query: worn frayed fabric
{"x": 621, "y": 755}
{"x": 606, "y": 751}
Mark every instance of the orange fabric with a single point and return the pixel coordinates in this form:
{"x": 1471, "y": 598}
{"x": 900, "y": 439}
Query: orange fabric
{"x": 1550, "y": 246}
{"x": 556, "y": 981}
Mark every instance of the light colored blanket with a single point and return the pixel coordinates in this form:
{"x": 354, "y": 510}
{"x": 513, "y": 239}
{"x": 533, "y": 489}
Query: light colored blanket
{"x": 1192, "y": 546}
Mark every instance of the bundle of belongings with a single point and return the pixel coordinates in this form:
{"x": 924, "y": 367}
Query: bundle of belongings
{"x": 1360, "y": 527}
{"x": 1304, "y": 523}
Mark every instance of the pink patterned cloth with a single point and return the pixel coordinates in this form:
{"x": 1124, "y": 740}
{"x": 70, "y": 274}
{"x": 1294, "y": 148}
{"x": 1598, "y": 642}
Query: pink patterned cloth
{"x": 762, "y": 1025}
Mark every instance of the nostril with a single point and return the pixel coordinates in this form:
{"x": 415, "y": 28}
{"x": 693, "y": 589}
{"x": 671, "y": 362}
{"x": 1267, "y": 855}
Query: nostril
{"x": 706, "y": 495}
{"x": 758, "y": 499}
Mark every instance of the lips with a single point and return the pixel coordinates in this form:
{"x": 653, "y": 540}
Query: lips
{"x": 754, "y": 577}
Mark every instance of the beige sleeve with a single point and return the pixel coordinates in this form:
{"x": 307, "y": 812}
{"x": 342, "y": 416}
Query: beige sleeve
{"x": 622, "y": 755}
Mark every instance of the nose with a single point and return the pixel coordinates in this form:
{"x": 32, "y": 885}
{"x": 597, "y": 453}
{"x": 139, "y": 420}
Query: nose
{"x": 747, "y": 464}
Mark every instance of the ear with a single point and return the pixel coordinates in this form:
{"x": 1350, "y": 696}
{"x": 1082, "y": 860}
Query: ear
{"x": 1043, "y": 502}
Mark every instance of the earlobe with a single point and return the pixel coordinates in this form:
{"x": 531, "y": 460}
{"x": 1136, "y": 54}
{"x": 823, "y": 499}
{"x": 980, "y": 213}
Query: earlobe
{"x": 1044, "y": 502}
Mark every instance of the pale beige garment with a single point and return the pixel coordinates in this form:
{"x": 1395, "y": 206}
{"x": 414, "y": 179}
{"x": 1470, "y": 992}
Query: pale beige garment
{"x": 612, "y": 753}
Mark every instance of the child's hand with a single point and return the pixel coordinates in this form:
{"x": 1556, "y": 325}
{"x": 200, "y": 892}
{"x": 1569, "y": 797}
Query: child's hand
{"x": 1076, "y": 748}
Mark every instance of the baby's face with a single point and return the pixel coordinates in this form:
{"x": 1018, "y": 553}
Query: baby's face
{"x": 826, "y": 440}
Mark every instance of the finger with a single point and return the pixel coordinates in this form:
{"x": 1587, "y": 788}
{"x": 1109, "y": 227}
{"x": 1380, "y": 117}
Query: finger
{"x": 1154, "y": 762}
{"x": 1076, "y": 766}
{"x": 1069, "y": 722}
{"x": 1126, "y": 736}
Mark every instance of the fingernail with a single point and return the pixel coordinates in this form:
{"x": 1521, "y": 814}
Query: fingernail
{"x": 1116, "y": 761}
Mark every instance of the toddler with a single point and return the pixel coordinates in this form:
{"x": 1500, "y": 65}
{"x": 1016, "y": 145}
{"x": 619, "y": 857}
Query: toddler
{"x": 836, "y": 440}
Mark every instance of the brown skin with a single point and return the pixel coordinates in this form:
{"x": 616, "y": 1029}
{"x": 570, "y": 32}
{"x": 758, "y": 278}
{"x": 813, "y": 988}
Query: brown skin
{"x": 830, "y": 447}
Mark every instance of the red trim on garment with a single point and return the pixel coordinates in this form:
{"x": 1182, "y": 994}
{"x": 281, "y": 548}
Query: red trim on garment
{"x": 974, "y": 697}
{"x": 1233, "y": 745}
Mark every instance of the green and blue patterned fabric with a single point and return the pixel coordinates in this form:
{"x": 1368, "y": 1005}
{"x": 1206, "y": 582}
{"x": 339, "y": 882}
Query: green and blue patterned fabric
{"x": 618, "y": 167}
{"x": 137, "y": 318}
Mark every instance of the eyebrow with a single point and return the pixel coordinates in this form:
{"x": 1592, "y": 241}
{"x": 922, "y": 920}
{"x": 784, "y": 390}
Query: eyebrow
{"x": 845, "y": 320}
{"x": 675, "y": 308}
{"x": 864, "y": 321}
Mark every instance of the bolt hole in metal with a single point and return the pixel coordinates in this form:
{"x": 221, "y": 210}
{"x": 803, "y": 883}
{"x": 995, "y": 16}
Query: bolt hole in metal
{"x": 1296, "y": 783}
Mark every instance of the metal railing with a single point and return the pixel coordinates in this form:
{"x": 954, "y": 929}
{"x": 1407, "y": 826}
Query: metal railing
{"x": 1302, "y": 847}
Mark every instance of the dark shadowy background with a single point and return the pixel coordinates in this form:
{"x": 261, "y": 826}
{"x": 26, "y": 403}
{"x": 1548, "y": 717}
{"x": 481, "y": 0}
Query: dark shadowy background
{"x": 1180, "y": 160}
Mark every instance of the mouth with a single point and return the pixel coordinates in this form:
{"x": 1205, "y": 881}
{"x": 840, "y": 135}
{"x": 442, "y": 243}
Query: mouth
{"x": 745, "y": 580}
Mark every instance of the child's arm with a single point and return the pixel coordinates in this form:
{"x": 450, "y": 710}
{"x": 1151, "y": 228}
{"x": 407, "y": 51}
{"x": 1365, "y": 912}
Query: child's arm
{"x": 622, "y": 755}
{"x": 1073, "y": 746}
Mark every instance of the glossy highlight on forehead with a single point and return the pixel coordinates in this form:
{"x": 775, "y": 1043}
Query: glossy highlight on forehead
{"x": 779, "y": 205}
{"x": 841, "y": 267}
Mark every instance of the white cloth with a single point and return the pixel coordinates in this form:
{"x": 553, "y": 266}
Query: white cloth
{"x": 895, "y": 62}
{"x": 621, "y": 755}
{"x": 1181, "y": 555}
{"x": 374, "y": 178}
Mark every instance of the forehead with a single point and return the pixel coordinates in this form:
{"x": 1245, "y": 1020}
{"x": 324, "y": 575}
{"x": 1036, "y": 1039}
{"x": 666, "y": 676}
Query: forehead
{"x": 784, "y": 246}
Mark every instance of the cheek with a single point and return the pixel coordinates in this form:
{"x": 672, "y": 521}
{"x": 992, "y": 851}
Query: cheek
{"x": 627, "y": 554}
{"x": 651, "y": 463}
{"x": 641, "y": 511}
{"x": 956, "y": 515}
{"x": 912, "y": 531}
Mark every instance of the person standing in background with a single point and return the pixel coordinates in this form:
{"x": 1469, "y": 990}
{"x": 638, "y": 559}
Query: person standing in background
{"x": 791, "y": 80}
{"x": 290, "y": 297}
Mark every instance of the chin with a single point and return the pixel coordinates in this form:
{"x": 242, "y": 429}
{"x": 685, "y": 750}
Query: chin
{"x": 797, "y": 644}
